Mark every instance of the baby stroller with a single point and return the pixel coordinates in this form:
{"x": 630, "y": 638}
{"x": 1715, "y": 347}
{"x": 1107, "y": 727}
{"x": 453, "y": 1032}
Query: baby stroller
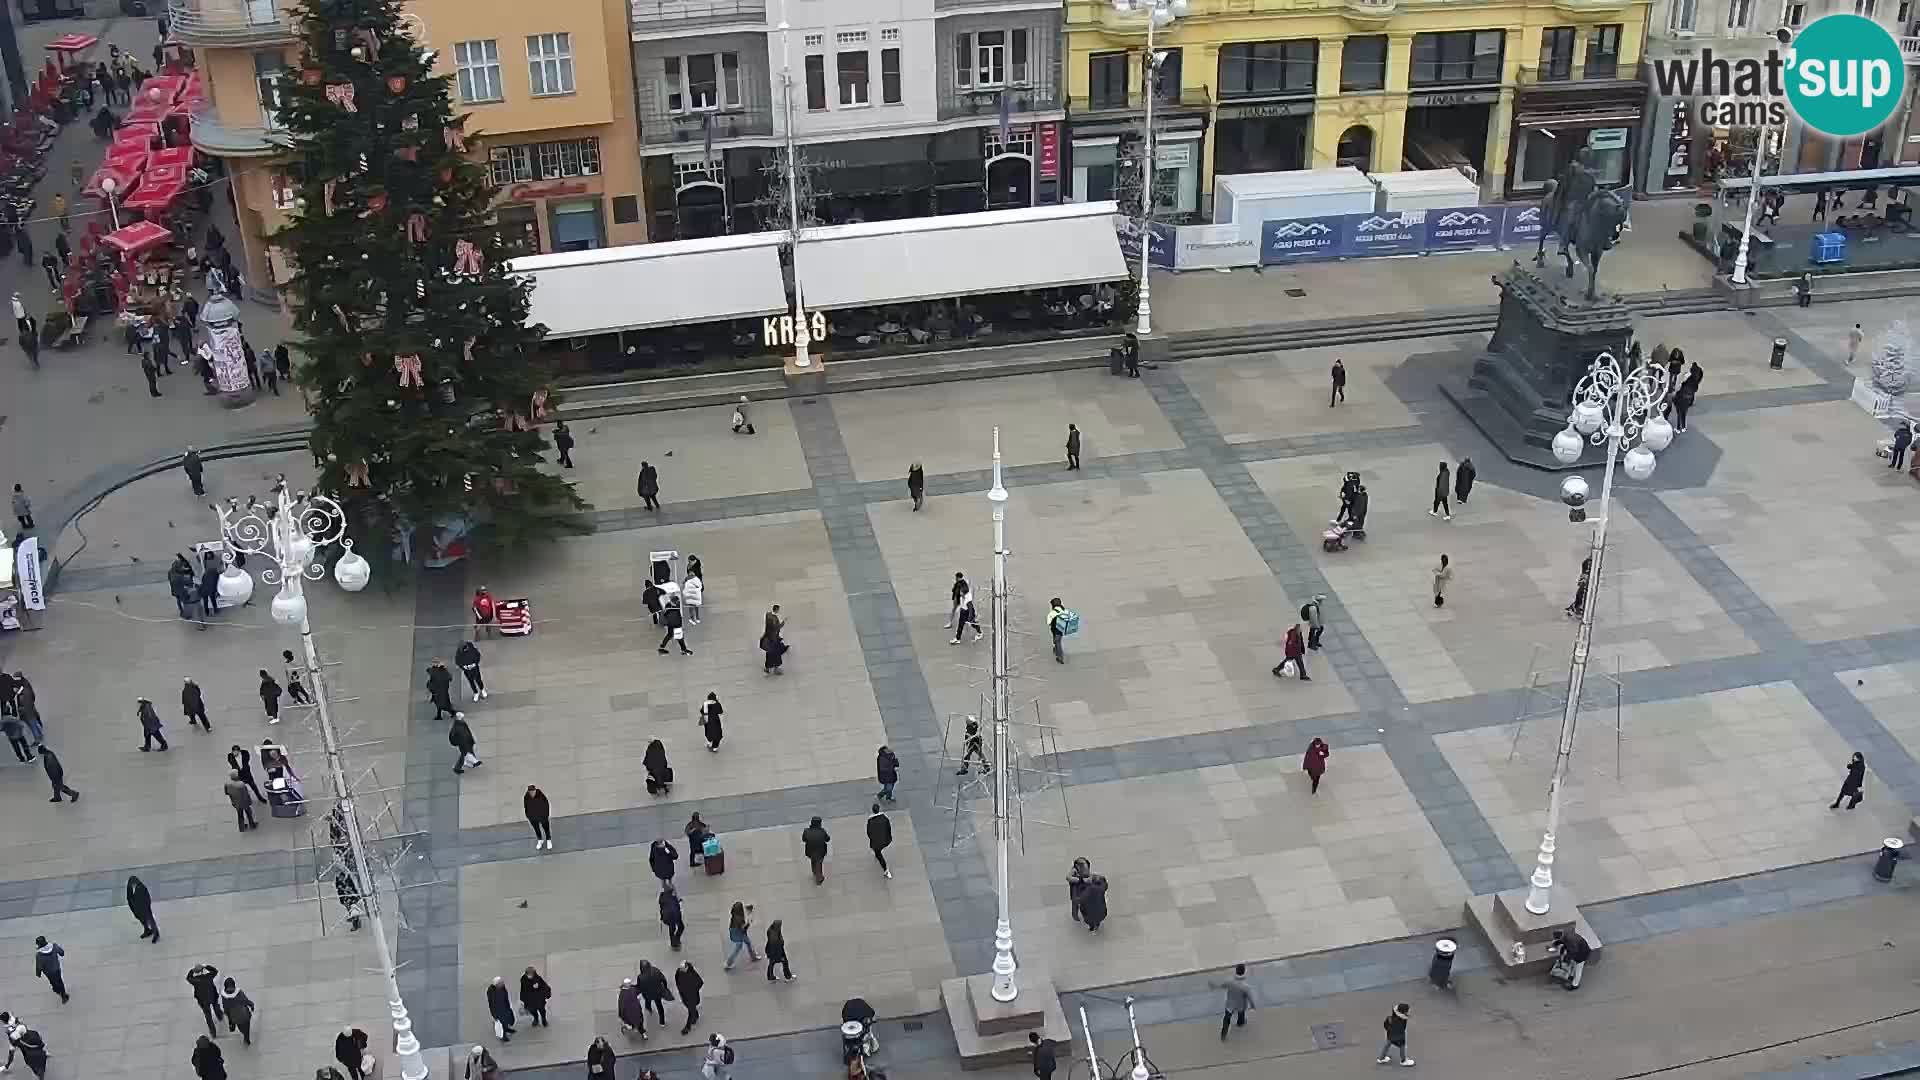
{"x": 514, "y": 617}
{"x": 1351, "y": 520}
{"x": 858, "y": 1043}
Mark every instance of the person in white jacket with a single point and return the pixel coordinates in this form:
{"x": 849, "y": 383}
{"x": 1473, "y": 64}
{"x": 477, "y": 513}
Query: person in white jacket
{"x": 692, "y": 592}
{"x": 718, "y": 1062}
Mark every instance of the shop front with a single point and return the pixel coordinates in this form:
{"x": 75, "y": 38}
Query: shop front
{"x": 1447, "y": 129}
{"x": 1554, "y": 122}
{"x": 1100, "y": 151}
{"x": 1263, "y": 136}
{"x": 553, "y": 215}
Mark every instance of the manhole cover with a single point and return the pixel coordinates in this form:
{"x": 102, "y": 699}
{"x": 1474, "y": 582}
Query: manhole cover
{"x": 913, "y": 1025}
{"x": 1297, "y": 293}
{"x": 1329, "y": 1036}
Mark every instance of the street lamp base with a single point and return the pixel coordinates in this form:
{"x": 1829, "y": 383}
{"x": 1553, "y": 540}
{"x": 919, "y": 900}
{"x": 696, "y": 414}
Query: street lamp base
{"x": 989, "y": 1032}
{"x": 1504, "y": 921}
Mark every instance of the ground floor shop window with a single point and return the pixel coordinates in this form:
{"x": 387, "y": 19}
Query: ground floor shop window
{"x": 576, "y": 225}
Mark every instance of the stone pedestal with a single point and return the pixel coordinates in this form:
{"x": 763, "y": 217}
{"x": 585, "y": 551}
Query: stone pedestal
{"x": 1546, "y": 339}
{"x": 991, "y": 1033}
{"x": 811, "y": 379}
{"x": 1504, "y": 919}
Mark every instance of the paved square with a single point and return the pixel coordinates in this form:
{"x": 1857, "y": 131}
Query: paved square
{"x": 1267, "y": 395}
{"x": 695, "y": 450}
{"x": 1733, "y": 351}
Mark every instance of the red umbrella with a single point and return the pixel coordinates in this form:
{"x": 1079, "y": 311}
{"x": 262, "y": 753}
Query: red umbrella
{"x": 139, "y": 237}
{"x": 148, "y": 112}
{"x": 172, "y": 155}
{"x": 162, "y": 175}
{"x": 153, "y": 197}
{"x": 72, "y": 43}
{"x": 126, "y": 157}
{"x": 162, "y": 88}
{"x": 123, "y": 180}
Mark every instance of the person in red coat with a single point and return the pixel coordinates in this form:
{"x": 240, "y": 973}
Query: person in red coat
{"x": 1296, "y": 651}
{"x": 1315, "y": 762}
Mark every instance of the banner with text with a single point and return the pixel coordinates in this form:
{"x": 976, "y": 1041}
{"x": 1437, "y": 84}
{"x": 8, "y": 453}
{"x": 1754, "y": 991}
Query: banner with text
{"x": 1403, "y": 232}
{"x": 1465, "y": 228}
{"x": 1299, "y": 239}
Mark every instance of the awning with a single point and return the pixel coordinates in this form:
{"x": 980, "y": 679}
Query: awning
{"x": 126, "y": 157}
{"x": 172, "y": 155}
{"x": 72, "y": 43}
{"x": 162, "y": 175}
{"x": 138, "y": 237}
{"x": 1896, "y": 176}
{"x": 577, "y": 293}
{"x": 937, "y": 258}
{"x": 154, "y": 197}
{"x": 163, "y": 88}
{"x": 148, "y": 112}
{"x": 122, "y": 178}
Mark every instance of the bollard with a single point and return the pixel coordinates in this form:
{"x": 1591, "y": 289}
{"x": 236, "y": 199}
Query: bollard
{"x": 1889, "y": 854}
{"x": 1779, "y": 359}
{"x": 1440, "y": 972}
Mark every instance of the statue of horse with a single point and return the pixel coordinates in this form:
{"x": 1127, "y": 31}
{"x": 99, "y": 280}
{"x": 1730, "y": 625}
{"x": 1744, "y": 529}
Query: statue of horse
{"x": 1564, "y": 198}
{"x": 1592, "y": 231}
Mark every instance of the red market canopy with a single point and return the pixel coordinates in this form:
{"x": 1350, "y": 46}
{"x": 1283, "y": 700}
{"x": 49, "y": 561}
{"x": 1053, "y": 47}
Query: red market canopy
{"x": 126, "y": 157}
{"x": 172, "y": 155}
{"x": 137, "y": 133}
{"x": 72, "y": 43}
{"x": 138, "y": 237}
{"x": 162, "y": 175}
{"x": 154, "y": 196}
{"x": 162, "y": 89}
{"x": 148, "y": 112}
{"x": 123, "y": 180}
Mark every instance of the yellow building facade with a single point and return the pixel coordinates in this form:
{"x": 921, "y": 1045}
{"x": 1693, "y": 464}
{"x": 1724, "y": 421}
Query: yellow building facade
{"x": 547, "y": 89}
{"x": 1507, "y": 90}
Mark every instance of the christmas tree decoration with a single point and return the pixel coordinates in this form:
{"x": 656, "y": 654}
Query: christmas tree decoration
{"x": 312, "y": 76}
{"x": 1891, "y": 360}
{"x": 456, "y": 140}
{"x": 540, "y": 404}
{"x": 382, "y": 223}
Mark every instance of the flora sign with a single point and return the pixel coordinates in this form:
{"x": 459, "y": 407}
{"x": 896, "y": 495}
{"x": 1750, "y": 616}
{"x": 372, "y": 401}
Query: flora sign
{"x": 1842, "y": 76}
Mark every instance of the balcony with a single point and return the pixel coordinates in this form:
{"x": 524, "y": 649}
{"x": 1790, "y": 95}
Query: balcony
{"x": 232, "y": 23}
{"x": 212, "y": 136}
{"x": 1567, "y": 75}
{"x": 951, "y": 7}
{"x": 659, "y": 128}
{"x": 1197, "y": 99}
{"x": 1370, "y": 12}
{"x": 960, "y": 104}
{"x": 1910, "y": 48}
{"x": 667, "y": 17}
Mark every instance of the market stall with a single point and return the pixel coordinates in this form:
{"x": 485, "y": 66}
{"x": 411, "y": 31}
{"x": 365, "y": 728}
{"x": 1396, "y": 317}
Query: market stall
{"x": 66, "y": 49}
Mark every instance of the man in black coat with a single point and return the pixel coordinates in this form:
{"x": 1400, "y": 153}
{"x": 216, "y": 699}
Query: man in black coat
{"x": 206, "y": 994}
{"x": 649, "y": 486}
{"x": 688, "y": 982}
{"x": 654, "y": 992}
{"x": 500, "y": 1007}
{"x": 879, "y": 836}
{"x": 814, "y": 840}
{"x": 460, "y": 736}
{"x": 440, "y": 689}
{"x": 670, "y": 618}
{"x": 190, "y": 464}
{"x": 193, "y": 704}
{"x": 671, "y": 917}
{"x": 468, "y": 657}
{"x": 56, "y": 774}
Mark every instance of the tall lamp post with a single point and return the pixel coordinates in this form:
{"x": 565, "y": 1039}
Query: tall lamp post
{"x": 1617, "y": 407}
{"x": 1739, "y": 277}
{"x": 802, "y": 343}
{"x": 290, "y": 532}
{"x": 107, "y": 187}
{"x": 1004, "y": 987}
{"x": 1159, "y": 13}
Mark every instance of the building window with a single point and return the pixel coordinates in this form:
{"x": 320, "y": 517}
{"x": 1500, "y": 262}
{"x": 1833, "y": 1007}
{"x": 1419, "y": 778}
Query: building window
{"x": 814, "y": 41}
{"x": 890, "y": 33}
{"x": 1603, "y": 51}
{"x": 1864, "y": 8}
{"x": 478, "y": 66}
{"x": 889, "y": 76}
{"x": 268, "y": 69}
{"x": 1680, "y": 14}
{"x": 1794, "y": 15}
{"x": 1458, "y": 56}
{"x": 1556, "y": 53}
{"x": 1268, "y": 67}
{"x": 703, "y": 82}
{"x": 1363, "y": 63}
{"x": 1166, "y": 77}
{"x": 1107, "y": 80}
{"x": 286, "y": 191}
{"x": 850, "y": 37}
{"x": 1739, "y": 14}
{"x": 550, "y": 64}
{"x": 816, "y": 83}
{"x": 1905, "y": 12}
{"x": 851, "y": 69}
{"x": 990, "y": 59}
{"x": 544, "y": 161}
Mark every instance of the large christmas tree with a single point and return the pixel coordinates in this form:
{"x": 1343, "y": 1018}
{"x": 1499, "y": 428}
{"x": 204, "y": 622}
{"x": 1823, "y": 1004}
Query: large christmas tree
{"x": 426, "y": 394}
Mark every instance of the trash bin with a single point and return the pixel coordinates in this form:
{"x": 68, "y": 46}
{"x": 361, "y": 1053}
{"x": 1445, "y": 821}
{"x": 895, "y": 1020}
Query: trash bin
{"x": 1116, "y": 361}
{"x": 1440, "y": 972}
{"x": 1779, "y": 358}
{"x": 1889, "y": 854}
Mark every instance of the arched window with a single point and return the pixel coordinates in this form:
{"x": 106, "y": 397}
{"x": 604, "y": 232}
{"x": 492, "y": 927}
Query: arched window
{"x": 1356, "y": 148}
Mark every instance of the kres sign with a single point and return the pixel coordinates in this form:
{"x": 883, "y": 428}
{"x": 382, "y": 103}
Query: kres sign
{"x": 781, "y": 331}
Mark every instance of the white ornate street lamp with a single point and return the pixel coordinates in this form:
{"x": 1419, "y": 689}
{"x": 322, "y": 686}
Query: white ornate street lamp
{"x": 290, "y": 533}
{"x": 107, "y": 187}
{"x": 802, "y": 346}
{"x": 1613, "y": 406}
{"x": 1004, "y": 987}
{"x": 1739, "y": 276}
{"x": 1159, "y": 13}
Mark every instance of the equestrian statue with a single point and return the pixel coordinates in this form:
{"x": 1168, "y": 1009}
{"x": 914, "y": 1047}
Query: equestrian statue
{"x": 1587, "y": 216}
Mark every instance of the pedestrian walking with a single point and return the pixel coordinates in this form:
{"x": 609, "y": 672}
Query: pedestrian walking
{"x": 500, "y": 1007}
{"x": 241, "y": 761}
{"x": 50, "y": 266}
{"x": 663, "y": 860}
{"x": 777, "y": 951}
{"x": 481, "y": 1066}
{"x": 717, "y": 1064}
{"x": 193, "y": 704}
{"x": 29, "y": 1044}
{"x": 282, "y": 359}
{"x": 688, "y": 982}
{"x": 675, "y": 624}
{"x": 1802, "y": 288}
{"x": 1579, "y": 604}
{"x": 659, "y": 772}
{"x": 269, "y": 697}
{"x": 1902, "y": 439}
{"x": 671, "y": 916}
{"x": 534, "y": 802}
{"x": 153, "y": 388}
{"x": 26, "y": 704}
{"x": 697, "y": 833}
{"x": 1093, "y": 902}
{"x": 648, "y": 486}
{"x": 1073, "y": 446}
{"x": 1060, "y": 623}
{"x": 814, "y": 840}
{"x": 206, "y": 994}
{"x": 739, "y": 922}
{"x": 693, "y": 594}
{"x": 1315, "y": 763}
{"x": 772, "y": 644}
{"x": 917, "y": 485}
{"x": 974, "y": 747}
{"x": 1463, "y": 477}
{"x": 957, "y": 592}
{"x": 1295, "y": 653}
{"x": 654, "y": 994}
{"x": 295, "y": 689}
{"x": 1339, "y": 391}
{"x": 46, "y": 965}
{"x": 149, "y": 726}
{"x": 1853, "y": 788}
{"x": 467, "y": 656}
{"x": 710, "y": 713}
{"x": 534, "y": 995}
{"x": 208, "y": 1063}
{"x": 1045, "y": 1059}
{"x": 563, "y": 443}
{"x": 460, "y": 737}
{"x": 242, "y": 800}
{"x": 56, "y": 775}
{"x": 140, "y": 903}
{"x": 631, "y": 1014}
{"x": 350, "y": 1050}
{"x": 601, "y": 1063}
{"x": 22, "y": 508}
{"x": 190, "y": 461}
{"x": 886, "y": 768}
{"x": 239, "y": 1008}
{"x": 1239, "y": 998}
{"x": 30, "y": 340}
{"x": 1854, "y": 337}
{"x": 1077, "y": 879}
{"x": 964, "y": 612}
{"x": 1396, "y": 1025}
{"x": 879, "y": 838}
{"x": 1442, "y": 575}
{"x": 16, "y": 733}
{"x": 654, "y": 598}
{"x": 23, "y": 240}
{"x": 742, "y": 422}
{"x": 1313, "y": 614}
{"x": 59, "y": 206}
{"x": 440, "y": 689}
{"x": 1440, "y": 492}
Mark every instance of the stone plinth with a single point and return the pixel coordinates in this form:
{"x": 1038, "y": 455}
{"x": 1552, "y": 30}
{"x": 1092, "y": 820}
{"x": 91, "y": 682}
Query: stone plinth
{"x": 811, "y": 379}
{"x": 991, "y": 1033}
{"x": 1503, "y": 919}
{"x": 1547, "y": 337}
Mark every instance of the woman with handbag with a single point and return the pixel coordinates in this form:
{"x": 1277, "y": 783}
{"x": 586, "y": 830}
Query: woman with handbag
{"x": 659, "y": 772}
{"x": 600, "y": 1059}
{"x": 710, "y": 712}
{"x": 481, "y": 1066}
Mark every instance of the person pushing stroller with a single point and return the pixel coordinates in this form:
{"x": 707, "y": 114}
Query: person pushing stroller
{"x": 1351, "y": 520}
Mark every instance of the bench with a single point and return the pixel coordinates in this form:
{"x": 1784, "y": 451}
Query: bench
{"x": 78, "y": 330}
